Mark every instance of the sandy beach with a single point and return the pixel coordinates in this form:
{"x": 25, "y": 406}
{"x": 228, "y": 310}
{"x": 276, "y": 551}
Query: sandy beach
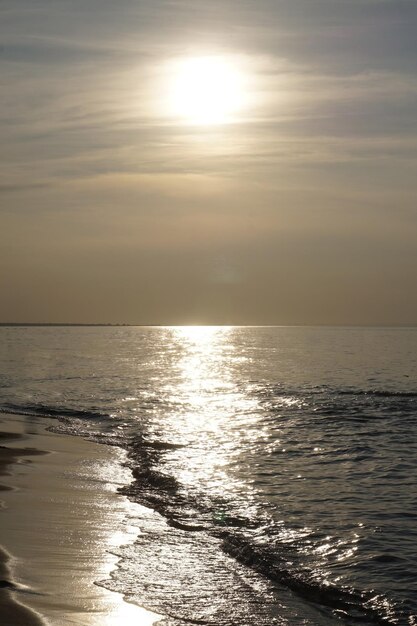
{"x": 61, "y": 516}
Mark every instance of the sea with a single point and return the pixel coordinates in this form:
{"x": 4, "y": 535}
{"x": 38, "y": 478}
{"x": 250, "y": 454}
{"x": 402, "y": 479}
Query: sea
{"x": 276, "y": 466}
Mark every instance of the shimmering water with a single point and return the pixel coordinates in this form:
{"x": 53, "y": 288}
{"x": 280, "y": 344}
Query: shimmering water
{"x": 278, "y": 464}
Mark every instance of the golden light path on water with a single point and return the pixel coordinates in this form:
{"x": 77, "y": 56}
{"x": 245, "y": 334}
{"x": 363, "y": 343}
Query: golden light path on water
{"x": 214, "y": 409}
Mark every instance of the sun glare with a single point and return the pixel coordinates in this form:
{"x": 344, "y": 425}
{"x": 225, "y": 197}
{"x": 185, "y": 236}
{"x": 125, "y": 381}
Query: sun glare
{"x": 206, "y": 90}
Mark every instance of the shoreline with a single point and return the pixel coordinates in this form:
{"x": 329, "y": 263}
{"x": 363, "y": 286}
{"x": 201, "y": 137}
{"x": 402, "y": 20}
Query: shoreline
{"x": 60, "y": 519}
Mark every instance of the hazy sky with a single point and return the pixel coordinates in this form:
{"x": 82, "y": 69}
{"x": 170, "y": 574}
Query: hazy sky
{"x": 301, "y": 207}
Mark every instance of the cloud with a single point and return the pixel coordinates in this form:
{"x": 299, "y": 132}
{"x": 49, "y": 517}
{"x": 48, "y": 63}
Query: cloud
{"x": 313, "y": 187}
{"x": 10, "y": 188}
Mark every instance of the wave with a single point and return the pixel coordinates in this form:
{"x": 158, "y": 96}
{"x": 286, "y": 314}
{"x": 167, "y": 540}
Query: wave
{"x": 56, "y": 412}
{"x": 378, "y": 393}
{"x": 316, "y": 390}
{"x": 250, "y": 541}
{"x": 333, "y": 402}
{"x": 354, "y": 604}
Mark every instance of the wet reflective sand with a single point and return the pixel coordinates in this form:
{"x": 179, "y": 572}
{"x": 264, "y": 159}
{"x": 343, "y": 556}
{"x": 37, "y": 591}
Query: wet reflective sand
{"x": 59, "y": 522}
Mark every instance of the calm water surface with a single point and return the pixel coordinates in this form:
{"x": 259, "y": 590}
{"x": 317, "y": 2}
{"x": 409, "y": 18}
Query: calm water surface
{"x": 278, "y": 464}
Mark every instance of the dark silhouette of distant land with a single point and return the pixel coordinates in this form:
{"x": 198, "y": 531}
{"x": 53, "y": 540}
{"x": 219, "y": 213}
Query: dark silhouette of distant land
{"x": 60, "y": 324}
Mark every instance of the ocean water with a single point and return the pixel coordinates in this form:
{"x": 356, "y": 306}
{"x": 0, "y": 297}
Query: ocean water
{"x": 278, "y": 465}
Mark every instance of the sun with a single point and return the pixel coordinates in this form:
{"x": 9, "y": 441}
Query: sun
{"x": 206, "y": 90}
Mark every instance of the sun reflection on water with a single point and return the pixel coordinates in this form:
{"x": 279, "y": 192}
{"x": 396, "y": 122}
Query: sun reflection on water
{"x": 201, "y": 334}
{"x": 212, "y": 411}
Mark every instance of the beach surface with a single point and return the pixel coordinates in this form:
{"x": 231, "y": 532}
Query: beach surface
{"x": 60, "y": 519}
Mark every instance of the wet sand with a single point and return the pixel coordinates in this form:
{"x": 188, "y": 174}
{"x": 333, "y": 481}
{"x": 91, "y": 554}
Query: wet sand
{"x": 61, "y": 516}
{"x": 12, "y": 613}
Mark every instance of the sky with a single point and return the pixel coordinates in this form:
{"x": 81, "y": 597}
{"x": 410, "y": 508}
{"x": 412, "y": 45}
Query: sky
{"x": 295, "y": 204}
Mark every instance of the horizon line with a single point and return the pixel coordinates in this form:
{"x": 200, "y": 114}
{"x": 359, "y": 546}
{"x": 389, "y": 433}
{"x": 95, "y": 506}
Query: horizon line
{"x": 126, "y": 324}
